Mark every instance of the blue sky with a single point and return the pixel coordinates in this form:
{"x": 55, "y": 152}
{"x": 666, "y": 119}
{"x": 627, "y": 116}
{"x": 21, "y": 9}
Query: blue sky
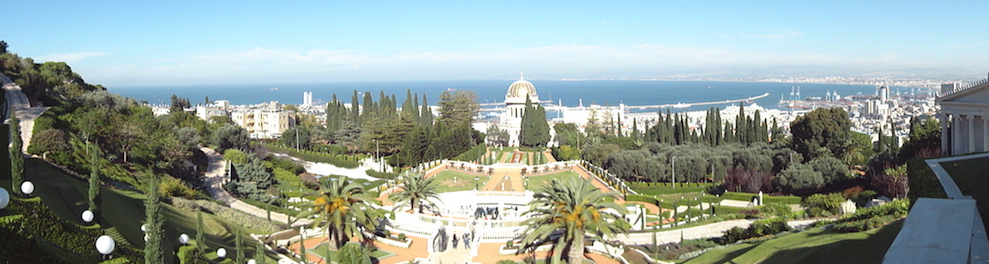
{"x": 125, "y": 43}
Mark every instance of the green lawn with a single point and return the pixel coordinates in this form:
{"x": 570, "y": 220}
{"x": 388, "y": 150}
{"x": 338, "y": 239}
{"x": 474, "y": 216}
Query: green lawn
{"x": 970, "y": 177}
{"x": 321, "y": 250}
{"x": 66, "y": 196}
{"x": 464, "y": 182}
{"x": 537, "y": 182}
{"x": 812, "y": 246}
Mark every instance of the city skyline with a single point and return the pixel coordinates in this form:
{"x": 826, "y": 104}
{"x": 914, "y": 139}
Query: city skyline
{"x": 128, "y": 44}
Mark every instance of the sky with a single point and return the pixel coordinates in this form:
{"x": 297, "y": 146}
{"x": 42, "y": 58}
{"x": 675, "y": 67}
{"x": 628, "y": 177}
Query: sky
{"x": 133, "y": 43}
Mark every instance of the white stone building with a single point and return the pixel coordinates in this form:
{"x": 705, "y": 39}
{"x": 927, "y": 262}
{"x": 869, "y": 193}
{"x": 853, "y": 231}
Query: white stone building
{"x": 964, "y": 117}
{"x": 266, "y": 122}
{"x": 511, "y": 119}
{"x": 218, "y": 108}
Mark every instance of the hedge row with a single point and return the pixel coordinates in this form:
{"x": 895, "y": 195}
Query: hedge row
{"x": 922, "y": 181}
{"x": 667, "y": 188}
{"x": 339, "y": 160}
{"x": 474, "y": 154}
{"x": 758, "y": 228}
{"x": 381, "y": 175}
{"x": 872, "y": 217}
{"x": 766, "y": 198}
{"x": 238, "y": 217}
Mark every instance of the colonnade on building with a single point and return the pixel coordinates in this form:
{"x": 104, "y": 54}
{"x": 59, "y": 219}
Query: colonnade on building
{"x": 964, "y": 117}
{"x": 967, "y": 132}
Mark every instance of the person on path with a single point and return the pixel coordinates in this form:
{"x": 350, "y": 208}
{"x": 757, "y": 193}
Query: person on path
{"x": 466, "y": 240}
{"x": 454, "y": 241}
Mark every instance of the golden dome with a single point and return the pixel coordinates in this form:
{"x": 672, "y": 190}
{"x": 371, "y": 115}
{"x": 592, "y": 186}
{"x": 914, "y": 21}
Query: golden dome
{"x": 521, "y": 89}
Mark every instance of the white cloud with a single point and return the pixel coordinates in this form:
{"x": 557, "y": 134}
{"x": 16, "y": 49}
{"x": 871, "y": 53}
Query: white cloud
{"x": 70, "y": 57}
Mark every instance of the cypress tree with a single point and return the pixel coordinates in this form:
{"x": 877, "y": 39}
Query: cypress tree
{"x": 259, "y": 253}
{"x": 16, "y": 158}
{"x": 535, "y": 130}
{"x": 239, "y": 244}
{"x": 153, "y": 248}
{"x": 355, "y": 110}
{"x": 200, "y": 233}
{"x": 427, "y": 114}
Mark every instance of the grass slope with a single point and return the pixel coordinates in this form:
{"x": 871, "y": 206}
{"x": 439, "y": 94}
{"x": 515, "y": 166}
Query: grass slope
{"x": 465, "y": 182}
{"x": 970, "y": 177}
{"x": 812, "y": 246}
{"x": 124, "y": 211}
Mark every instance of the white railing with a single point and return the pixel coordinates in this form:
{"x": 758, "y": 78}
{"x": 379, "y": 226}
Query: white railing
{"x": 978, "y": 83}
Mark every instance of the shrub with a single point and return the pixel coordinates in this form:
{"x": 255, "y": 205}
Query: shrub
{"x": 700, "y": 242}
{"x": 758, "y": 228}
{"x": 509, "y": 244}
{"x": 505, "y": 261}
{"x": 778, "y": 210}
{"x": 830, "y": 203}
{"x": 401, "y": 236}
{"x": 238, "y": 217}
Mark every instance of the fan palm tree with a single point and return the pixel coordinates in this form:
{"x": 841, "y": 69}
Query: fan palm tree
{"x": 417, "y": 191}
{"x": 565, "y": 212}
{"x": 347, "y": 212}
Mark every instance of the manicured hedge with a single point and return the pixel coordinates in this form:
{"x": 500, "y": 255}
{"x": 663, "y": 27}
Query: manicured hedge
{"x": 474, "y": 154}
{"x": 339, "y": 160}
{"x": 872, "y": 217}
{"x": 922, "y": 181}
{"x": 667, "y": 188}
{"x": 381, "y": 175}
{"x": 767, "y": 198}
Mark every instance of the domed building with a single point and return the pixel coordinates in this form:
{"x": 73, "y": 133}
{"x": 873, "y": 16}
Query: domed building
{"x": 511, "y": 119}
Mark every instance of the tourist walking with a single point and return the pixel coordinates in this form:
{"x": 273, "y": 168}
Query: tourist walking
{"x": 454, "y": 241}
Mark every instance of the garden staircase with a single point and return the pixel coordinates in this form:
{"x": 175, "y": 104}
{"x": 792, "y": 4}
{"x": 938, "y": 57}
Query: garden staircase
{"x": 117, "y": 236}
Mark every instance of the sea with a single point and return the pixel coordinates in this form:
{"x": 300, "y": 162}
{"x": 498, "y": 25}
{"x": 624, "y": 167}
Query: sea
{"x": 567, "y": 93}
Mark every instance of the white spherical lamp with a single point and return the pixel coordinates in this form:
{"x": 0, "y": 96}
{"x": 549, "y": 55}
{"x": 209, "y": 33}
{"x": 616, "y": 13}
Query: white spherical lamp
{"x": 252, "y": 261}
{"x": 184, "y": 239}
{"x": 222, "y": 253}
{"x": 27, "y": 187}
{"x": 105, "y": 244}
{"x": 87, "y": 216}
{"x": 4, "y": 198}
{"x": 147, "y": 237}
{"x": 144, "y": 228}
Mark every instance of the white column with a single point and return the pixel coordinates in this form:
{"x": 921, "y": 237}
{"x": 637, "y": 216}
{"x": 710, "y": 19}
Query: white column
{"x": 945, "y": 147}
{"x": 985, "y": 133}
{"x": 971, "y": 133}
{"x": 956, "y": 135}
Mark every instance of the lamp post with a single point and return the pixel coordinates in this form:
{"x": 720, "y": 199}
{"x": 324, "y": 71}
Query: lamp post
{"x": 377, "y": 156}
{"x": 105, "y": 245}
{"x": 673, "y": 172}
{"x": 477, "y": 183}
{"x": 4, "y": 198}
{"x": 27, "y": 187}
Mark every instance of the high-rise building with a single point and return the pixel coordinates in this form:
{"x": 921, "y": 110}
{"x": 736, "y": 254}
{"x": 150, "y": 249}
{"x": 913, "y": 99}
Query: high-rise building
{"x": 306, "y": 98}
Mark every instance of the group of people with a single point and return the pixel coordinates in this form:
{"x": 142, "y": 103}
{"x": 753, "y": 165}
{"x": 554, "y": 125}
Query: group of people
{"x": 465, "y": 237}
{"x": 486, "y": 212}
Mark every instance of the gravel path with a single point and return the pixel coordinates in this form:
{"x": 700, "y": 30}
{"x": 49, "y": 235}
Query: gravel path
{"x": 214, "y": 184}
{"x": 18, "y": 104}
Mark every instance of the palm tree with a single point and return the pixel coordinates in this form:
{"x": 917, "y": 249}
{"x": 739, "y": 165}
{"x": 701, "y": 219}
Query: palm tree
{"x": 345, "y": 207}
{"x": 417, "y": 190}
{"x": 565, "y": 212}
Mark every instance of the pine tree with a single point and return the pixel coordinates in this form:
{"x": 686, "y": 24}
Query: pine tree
{"x": 153, "y": 248}
{"x": 16, "y": 158}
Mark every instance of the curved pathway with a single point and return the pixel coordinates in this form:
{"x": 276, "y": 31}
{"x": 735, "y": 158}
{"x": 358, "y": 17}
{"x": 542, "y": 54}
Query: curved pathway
{"x": 214, "y": 184}
{"x": 19, "y": 105}
{"x": 704, "y": 231}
